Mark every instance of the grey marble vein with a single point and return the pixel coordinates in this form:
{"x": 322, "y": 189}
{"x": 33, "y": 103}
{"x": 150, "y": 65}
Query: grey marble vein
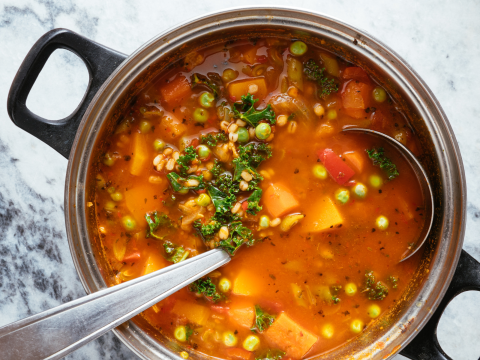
{"x": 439, "y": 39}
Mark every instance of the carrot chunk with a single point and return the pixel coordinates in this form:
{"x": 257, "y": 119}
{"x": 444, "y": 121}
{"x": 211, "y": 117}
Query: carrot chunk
{"x": 322, "y": 216}
{"x": 356, "y": 73}
{"x": 247, "y": 283}
{"x": 289, "y": 336}
{"x": 243, "y": 315}
{"x": 175, "y": 91}
{"x": 338, "y": 170}
{"x": 239, "y": 353}
{"x": 153, "y": 263}
{"x": 356, "y": 95}
{"x": 140, "y": 155}
{"x": 279, "y": 200}
{"x": 355, "y": 159}
{"x": 242, "y": 87}
{"x": 195, "y": 313}
{"x": 172, "y": 128}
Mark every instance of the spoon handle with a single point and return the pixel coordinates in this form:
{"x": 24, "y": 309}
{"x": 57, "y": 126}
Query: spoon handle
{"x": 54, "y": 333}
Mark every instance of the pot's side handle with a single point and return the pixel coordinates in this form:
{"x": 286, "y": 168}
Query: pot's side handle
{"x": 425, "y": 345}
{"x": 100, "y": 62}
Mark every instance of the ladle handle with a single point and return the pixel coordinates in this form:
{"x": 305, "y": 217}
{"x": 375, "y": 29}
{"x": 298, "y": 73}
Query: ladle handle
{"x": 54, "y": 333}
{"x": 100, "y": 62}
{"x": 425, "y": 345}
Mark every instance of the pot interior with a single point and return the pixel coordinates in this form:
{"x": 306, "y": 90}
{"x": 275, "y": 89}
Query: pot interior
{"x": 389, "y": 333}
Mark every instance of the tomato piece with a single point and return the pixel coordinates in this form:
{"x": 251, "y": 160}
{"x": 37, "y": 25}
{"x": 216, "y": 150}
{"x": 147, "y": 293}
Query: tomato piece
{"x": 239, "y": 353}
{"x": 355, "y": 113}
{"x": 245, "y": 205}
{"x": 133, "y": 256}
{"x": 379, "y": 121}
{"x": 336, "y": 167}
{"x": 356, "y": 73}
{"x": 356, "y": 95}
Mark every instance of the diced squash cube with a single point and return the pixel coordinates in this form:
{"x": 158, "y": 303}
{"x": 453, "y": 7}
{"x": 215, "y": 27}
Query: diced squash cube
{"x": 247, "y": 283}
{"x": 138, "y": 163}
{"x": 172, "y": 128}
{"x": 175, "y": 91}
{"x": 194, "y": 313}
{"x": 141, "y": 199}
{"x": 355, "y": 160}
{"x": 289, "y": 336}
{"x": 279, "y": 200}
{"x": 323, "y": 215}
{"x": 153, "y": 263}
{"x": 243, "y": 315}
{"x": 241, "y": 87}
{"x": 356, "y": 95}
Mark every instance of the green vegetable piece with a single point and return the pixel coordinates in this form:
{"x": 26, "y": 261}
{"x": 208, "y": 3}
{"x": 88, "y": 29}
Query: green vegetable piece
{"x": 378, "y": 157}
{"x": 262, "y": 320}
{"x": 272, "y": 354}
{"x": 342, "y": 195}
{"x": 223, "y": 202}
{"x": 178, "y": 182}
{"x": 393, "y": 281}
{"x": 200, "y": 115}
{"x": 253, "y": 200}
{"x": 211, "y": 82}
{"x": 158, "y": 145}
{"x": 206, "y": 100}
{"x": 316, "y": 74}
{"x": 145, "y": 127}
{"x": 243, "y": 135}
{"x": 250, "y": 115}
{"x": 382, "y": 222}
{"x": 156, "y": 221}
{"x": 332, "y": 114}
{"x": 217, "y": 169}
{"x": 180, "y": 333}
{"x": 207, "y": 288}
{"x": 203, "y": 152}
{"x": 376, "y": 181}
{"x": 212, "y": 139}
{"x": 129, "y": 223}
{"x": 185, "y": 160}
{"x": 374, "y": 311}
{"x": 263, "y": 131}
{"x": 116, "y": 196}
{"x": 239, "y": 235}
{"x": 229, "y": 75}
{"x": 379, "y": 94}
{"x": 203, "y": 200}
{"x": 374, "y": 290}
{"x": 360, "y": 190}
{"x": 320, "y": 172}
{"x": 264, "y": 221}
{"x": 298, "y": 48}
{"x": 178, "y": 253}
{"x": 108, "y": 159}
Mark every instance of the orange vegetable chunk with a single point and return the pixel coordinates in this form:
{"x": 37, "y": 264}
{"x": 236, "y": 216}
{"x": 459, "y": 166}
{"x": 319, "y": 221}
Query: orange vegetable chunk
{"x": 356, "y": 95}
{"x": 356, "y": 73}
{"x": 177, "y": 90}
{"x": 243, "y": 315}
{"x": 279, "y": 200}
{"x": 241, "y": 87}
{"x": 355, "y": 159}
{"x": 239, "y": 353}
{"x": 321, "y": 216}
{"x": 139, "y": 155}
{"x": 194, "y": 313}
{"x": 290, "y": 337}
{"x": 153, "y": 263}
{"x": 247, "y": 283}
{"x": 172, "y": 128}
{"x": 136, "y": 204}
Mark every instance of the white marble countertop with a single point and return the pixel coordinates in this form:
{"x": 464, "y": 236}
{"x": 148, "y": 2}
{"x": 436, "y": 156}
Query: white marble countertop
{"x": 439, "y": 39}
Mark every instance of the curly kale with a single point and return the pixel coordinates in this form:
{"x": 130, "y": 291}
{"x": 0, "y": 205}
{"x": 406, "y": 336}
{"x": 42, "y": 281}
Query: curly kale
{"x": 378, "y": 157}
{"x": 185, "y": 160}
{"x": 374, "y": 290}
{"x": 212, "y": 139}
{"x": 177, "y": 253}
{"x": 238, "y": 235}
{"x": 253, "y": 202}
{"x": 262, "y": 320}
{"x": 217, "y": 169}
{"x": 207, "y": 288}
{"x": 212, "y": 81}
{"x": 316, "y": 74}
{"x": 178, "y": 182}
{"x": 156, "y": 222}
{"x": 246, "y": 111}
{"x": 272, "y": 354}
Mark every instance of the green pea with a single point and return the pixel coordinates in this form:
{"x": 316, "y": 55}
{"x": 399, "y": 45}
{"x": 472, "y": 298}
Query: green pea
{"x": 298, "y": 48}
{"x": 379, "y": 94}
{"x": 342, "y": 195}
{"x": 229, "y": 75}
{"x": 108, "y": 160}
{"x": 373, "y": 311}
{"x": 319, "y": 171}
{"x": 183, "y": 191}
{"x": 145, "y": 126}
{"x": 251, "y": 343}
{"x": 229, "y": 339}
{"x": 243, "y": 136}
{"x": 200, "y": 115}
{"x": 110, "y": 206}
{"x": 356, "y": 326}
{"x": 129, "y": 223}
{"x": 203, "y": 151}
{"x": 159, "y": 145}
{"x": 263, "y": 131}
{"x": 206, "y": 100}
{"x": 376, "y": 181}
{"x": 111, "y": 190}
{"x": 116, "y": 196}
{"x": 264, "y": 221}
{"x": 332, "y": 114}
{"x": 350, "y": 289}
{"x": 360, "y": 190}
{"x": 328, "y": 331}
{"x": 382, "y": 223}
{"x": 224, "y": 285}
{"x": 143, "y": 109}
{"x": 203, "y": 200}
{"x": 180, "y": 333}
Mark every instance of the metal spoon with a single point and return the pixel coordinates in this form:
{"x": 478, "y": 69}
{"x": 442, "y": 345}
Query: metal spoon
{"x": 54, "y": 333}
{"x": 422, "y": 178}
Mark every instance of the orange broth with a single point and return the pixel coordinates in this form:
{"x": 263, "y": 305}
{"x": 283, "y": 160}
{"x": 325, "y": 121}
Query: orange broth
{"x": 311, "y": 250}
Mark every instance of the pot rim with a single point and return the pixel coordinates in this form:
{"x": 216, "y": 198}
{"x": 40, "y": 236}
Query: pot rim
{"x": 446, "y": 146}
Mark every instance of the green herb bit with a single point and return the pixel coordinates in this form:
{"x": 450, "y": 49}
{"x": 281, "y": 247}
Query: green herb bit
{"x": 169, "y": 201}
{"x": 262, "y": 319}
{"x": 249, "y": 114}
{"x": 226, "y": 184}
{"x": 335, "y": 299}
{"x": 291, "y": 116}
{"x": 208, "y": 230}
{"x": 217, "y": 169}
{"x": 239, "y": 235}
{"x": 178, "y": 182}
{"x": 185, "y": 160}
{"x": 222, "y": 201}
{"x": 207, "y": 288}
{"x": 178, "y": 253}
{"x": 156, "y": 221}
{"x": 188, "y": 332}
{"x": 254, "y": 153}
{"x": 393, "y": 281}
{"x": 253, "y": 202}
{"x": 212, "y": 139}
{"x": 379, "y": 159}
{"x": 272, "y": 354}
{"x": 316, "y": 74}
{"x": 211, "y": 82}
{"x": 374, "y": 291}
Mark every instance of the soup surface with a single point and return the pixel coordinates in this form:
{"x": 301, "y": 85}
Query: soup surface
{"x": 239, "y": 146}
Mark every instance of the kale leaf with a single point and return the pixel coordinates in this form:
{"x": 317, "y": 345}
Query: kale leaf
{"x": 253, "y": 202}
{"x": 178, "y": 253}
{"x": 250, "y": 115}
{"x": 159, "y": 221}
{"x": 238, "y": 235}
{"x": 217, "y": 169}
{"x": 316, "y": 74}
{"x": 374, "y": 291}
{"x": 272, "y": 354}
{"x": 254, "y": 153}
{"x": 262, "y": 319}
{"x": 211, "y": 82}
{"x": 212, "y": 139}
{"x": 185, "y": 160}
{"x": 207, "y": 230}
{"x": 178, "y": 182}
{"x": 222, "y": 201}
{"x": 188, "y": 332}
{"x": 379, "y": 159}
{"x": 207, "y": 288}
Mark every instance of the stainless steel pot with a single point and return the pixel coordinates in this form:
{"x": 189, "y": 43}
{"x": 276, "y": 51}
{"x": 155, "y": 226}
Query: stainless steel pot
{"x": 114, "y": 81}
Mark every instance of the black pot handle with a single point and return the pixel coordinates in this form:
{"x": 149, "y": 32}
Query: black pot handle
{"x": 100, "y": 62}
{"x": 425, "y": 345}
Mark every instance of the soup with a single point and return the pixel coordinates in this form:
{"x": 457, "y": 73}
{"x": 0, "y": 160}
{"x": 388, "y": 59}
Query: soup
{"x": 239, "y": 146}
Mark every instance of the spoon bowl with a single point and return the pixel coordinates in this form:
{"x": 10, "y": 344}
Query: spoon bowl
{"x": 422, "y": 178}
